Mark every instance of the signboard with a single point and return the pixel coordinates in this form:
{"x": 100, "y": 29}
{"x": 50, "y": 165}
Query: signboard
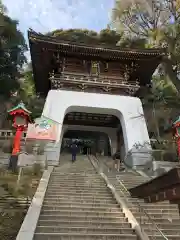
{"x": 43, "y": 129}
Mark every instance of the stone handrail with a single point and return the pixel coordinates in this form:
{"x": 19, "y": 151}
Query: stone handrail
{"x": 29, "y": 224}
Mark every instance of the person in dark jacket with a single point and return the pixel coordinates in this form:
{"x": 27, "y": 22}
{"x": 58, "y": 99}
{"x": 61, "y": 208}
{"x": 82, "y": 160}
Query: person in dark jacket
{"x": 74, "y": 149}
{"x": 117, "y": 160}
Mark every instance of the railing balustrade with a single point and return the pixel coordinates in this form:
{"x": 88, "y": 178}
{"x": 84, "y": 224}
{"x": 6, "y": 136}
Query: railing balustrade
{"x": 95, "y": 80}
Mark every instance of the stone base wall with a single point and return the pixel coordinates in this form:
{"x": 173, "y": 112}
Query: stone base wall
{"x": 29, "y": 159}
{"x": 139, "y": 158}
{"x": 49, "y": 153}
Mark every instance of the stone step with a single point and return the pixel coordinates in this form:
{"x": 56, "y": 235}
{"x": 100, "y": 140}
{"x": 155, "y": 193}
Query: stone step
{"x": 84, "y": 188}
{"x": 81, "y": 187}
{"x": 130, "y": 178}
{"x": 83, "y": 236}
{"x": 154, "y": 211}
{"x": 79, "y": 201}
{"x": 77, "y": 186}
{"x": 77, "y": 191}
{"x": 77, "y": 174}
{"x": 174, "y": 220}
{"x": 158, "y": 215}
{"x": 83, "y": 205}
{"x": 81, "y": 212}
{"x": 159, "y": 237}
{"x": 97, "y": 187}
{"x": 132, "y": 200}
{"x": 155, "y": 207}
{"x": 75, "y": 178}
{"x": 70, "y": 177}
{"x": 86, "y": 230}
{"x": 126, "y": 176}
{"x": 157, "y": 220}
{"x": 81, "y": 208}
{"x": 166, "y": 232}
{"x": 77, "y": 223}
{"x": 168, "y": 225}
{"x": 80, "y": 170}
{"x": 78, "y": 195}
{"x": 67, "y": 171}
{"x": 131, "y": 182}
{"x": 144, "y": 205}
{"x": 127, "y": 181}
{"x": 67, "y": 217}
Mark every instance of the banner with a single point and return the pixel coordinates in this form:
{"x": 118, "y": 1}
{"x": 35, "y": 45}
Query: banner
{"x": 43, "y": 129}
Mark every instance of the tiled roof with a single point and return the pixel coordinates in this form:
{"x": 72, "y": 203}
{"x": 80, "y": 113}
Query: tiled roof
{"x": 94, "y": 50}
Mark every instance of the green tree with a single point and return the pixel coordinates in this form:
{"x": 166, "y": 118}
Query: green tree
{"x": 12, "y": 58}
{"x": 28, "y": 94}
{"x": 27, "y": 86}
{"x": 105, "y": 36}
{"x": 154, "y": 25}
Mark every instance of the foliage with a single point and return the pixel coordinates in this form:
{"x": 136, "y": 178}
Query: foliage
{"x": 12, "y": 58}
{"x": 14, "y": 204}
{"x": 154, "y": 25}
{"x": 28, "y": 95}
{"x": 27, "y": 87}
{"x": 105, "y": 36}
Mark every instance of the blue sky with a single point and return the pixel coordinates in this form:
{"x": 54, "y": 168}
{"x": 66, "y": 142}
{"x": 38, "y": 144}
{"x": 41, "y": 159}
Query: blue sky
{"x": 47, "y": 15}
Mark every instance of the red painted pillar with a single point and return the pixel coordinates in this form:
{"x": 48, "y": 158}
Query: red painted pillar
{"x": 178, "y": 147}
{"x": 17, "y": 140}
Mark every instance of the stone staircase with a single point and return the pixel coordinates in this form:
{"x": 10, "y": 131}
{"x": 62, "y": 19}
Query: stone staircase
{"x": 165, "y": 215}
{"x": 79, "y": 206}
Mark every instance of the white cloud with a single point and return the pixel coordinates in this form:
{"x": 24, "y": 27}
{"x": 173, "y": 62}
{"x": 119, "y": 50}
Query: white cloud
{"x": 41, "y": 15}
{"x": 46, "y": 15}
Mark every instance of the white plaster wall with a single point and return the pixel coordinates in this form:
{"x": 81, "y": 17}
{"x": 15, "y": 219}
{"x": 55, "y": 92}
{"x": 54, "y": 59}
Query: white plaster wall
{"x": 128, "y": 109}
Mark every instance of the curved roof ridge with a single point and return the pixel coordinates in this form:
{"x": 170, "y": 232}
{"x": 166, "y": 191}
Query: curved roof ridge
{"x": 33, "y": 36}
